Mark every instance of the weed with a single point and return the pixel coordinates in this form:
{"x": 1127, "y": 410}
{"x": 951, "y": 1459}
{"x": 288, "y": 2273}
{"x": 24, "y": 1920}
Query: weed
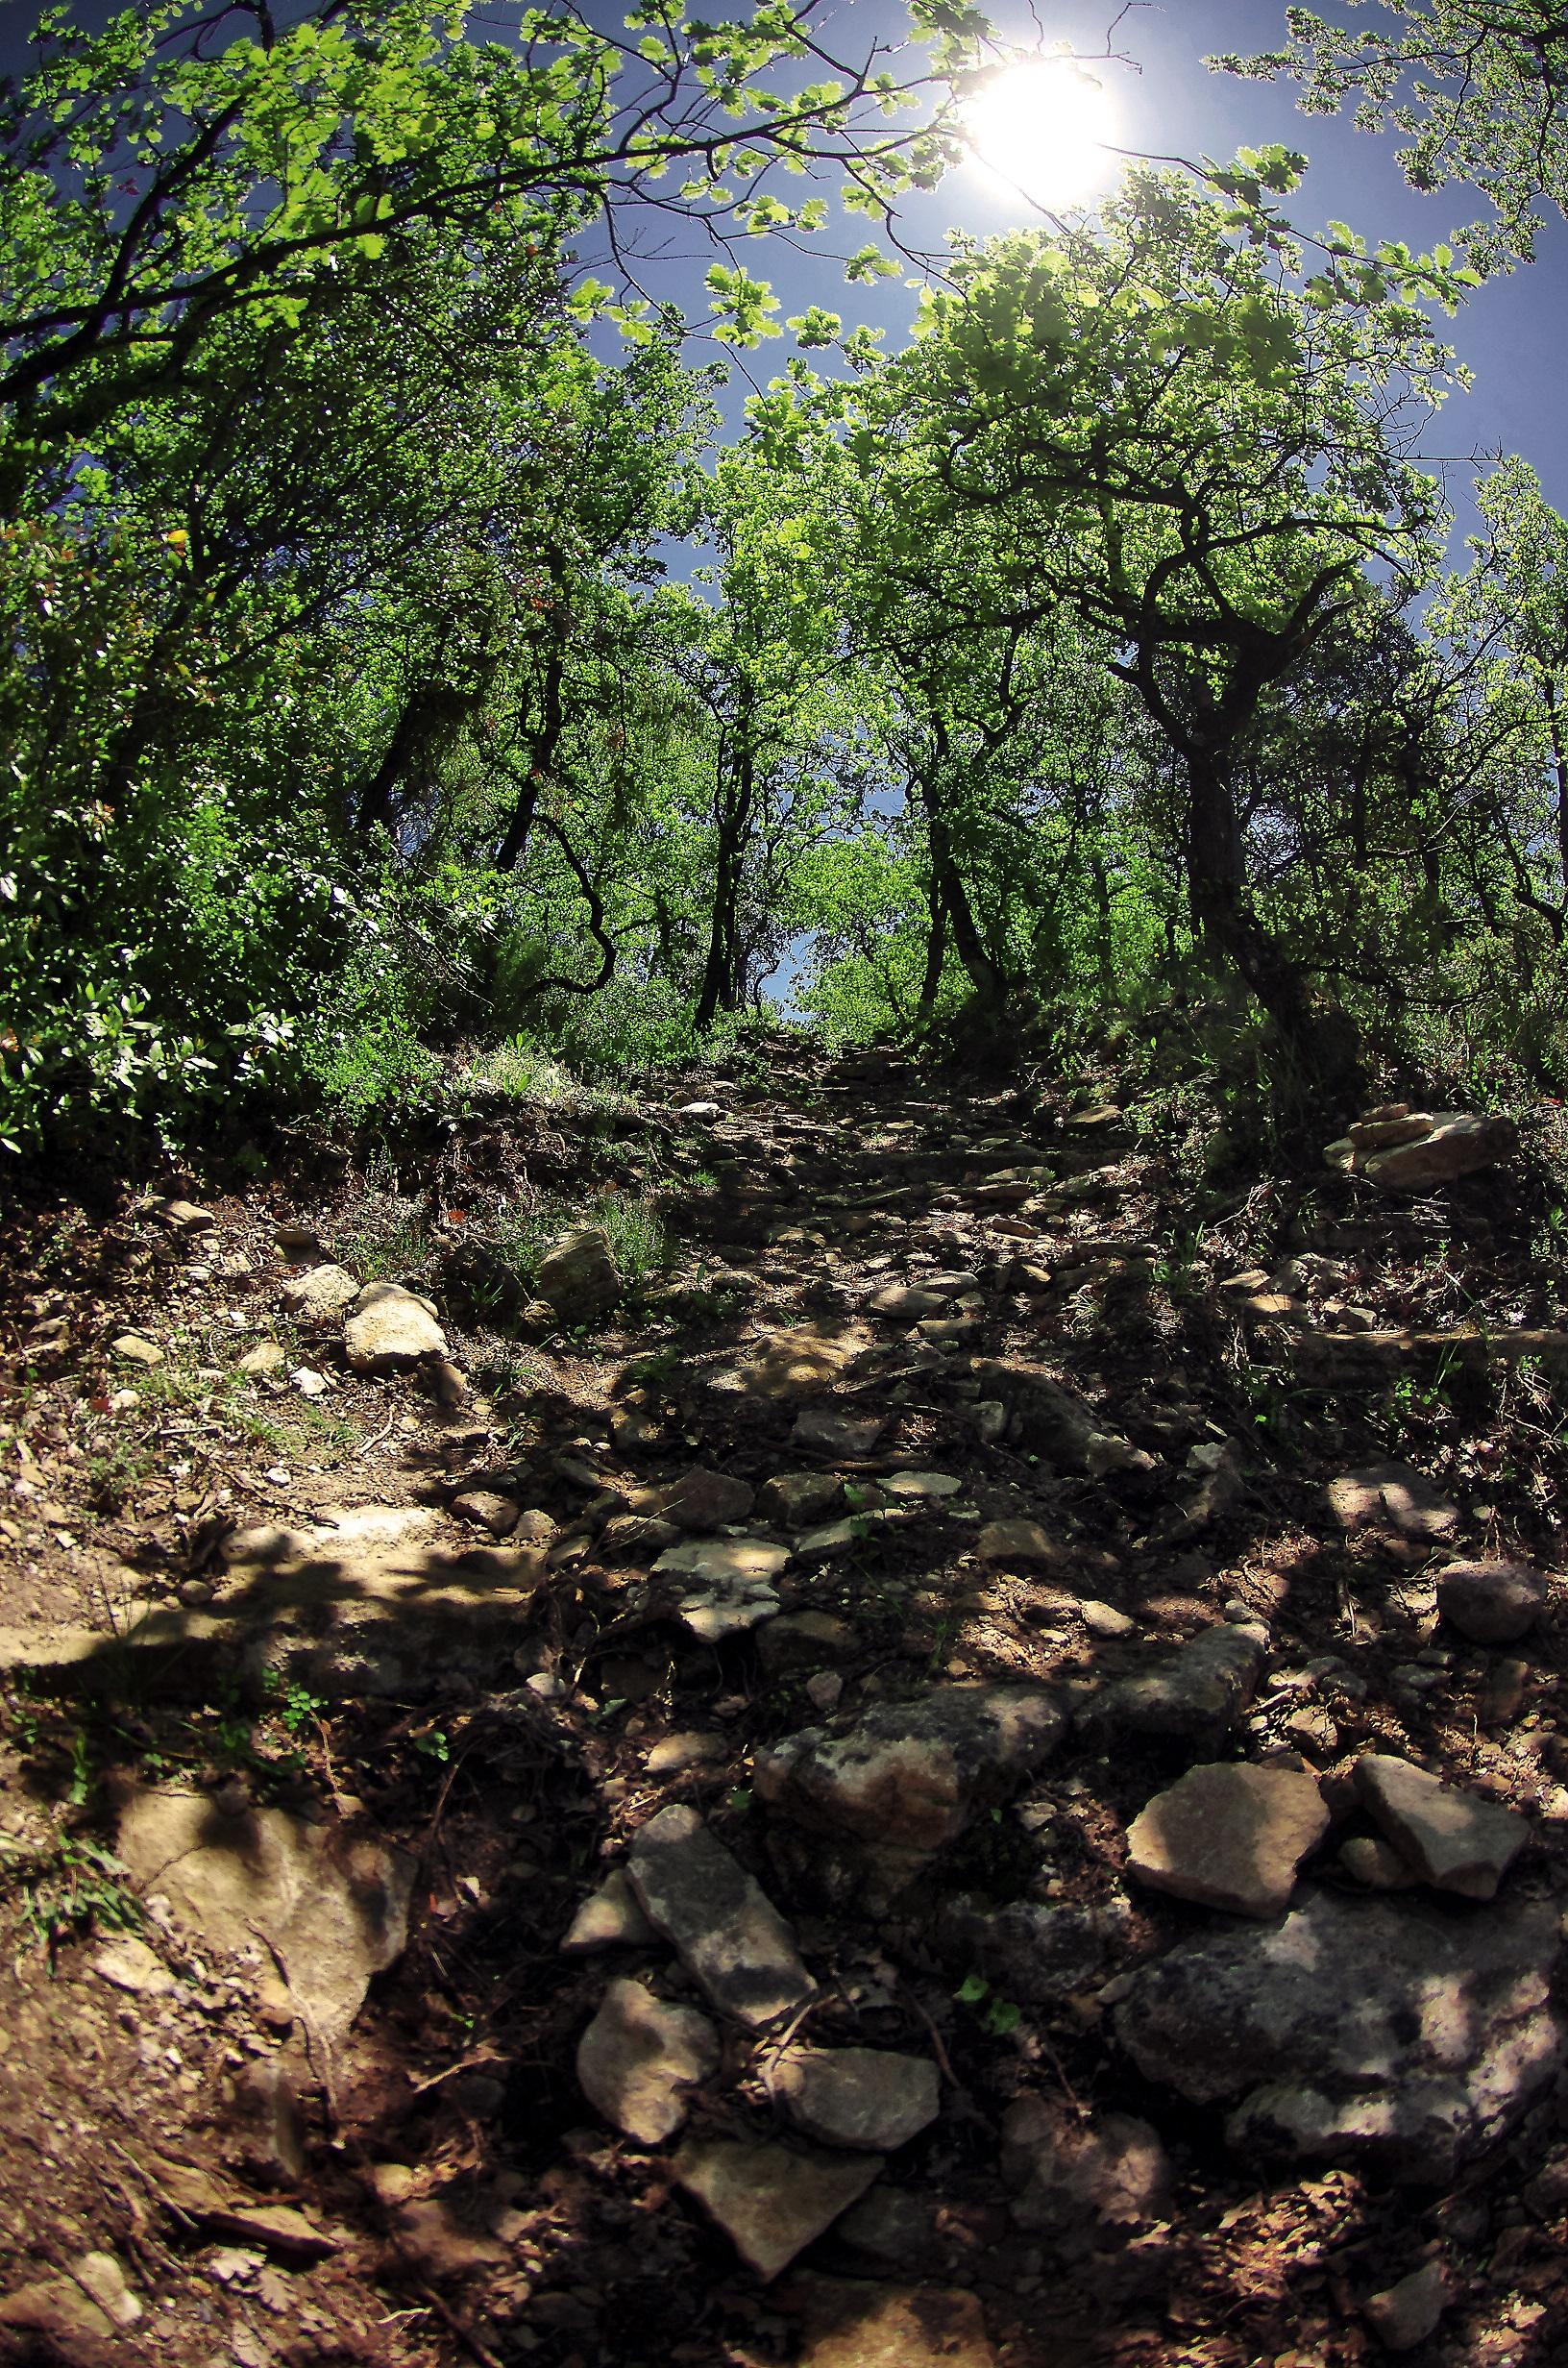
{"x": 997, "y": 2015}
{"x": 81, "y": 1888}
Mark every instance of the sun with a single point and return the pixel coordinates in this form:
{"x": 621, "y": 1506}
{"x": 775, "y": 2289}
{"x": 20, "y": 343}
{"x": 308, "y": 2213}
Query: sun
{"x": 1043, "y": 127}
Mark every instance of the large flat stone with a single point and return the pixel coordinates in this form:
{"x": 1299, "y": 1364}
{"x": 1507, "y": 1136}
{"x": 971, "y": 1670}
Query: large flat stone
{"x": 1455, "y": 1840}
{"x": 331, "y": 1902}
{"x": 1406, "y": 2036}
{"x": 638, "y": 2057}
{"x": 772, "y": 2201}
{"x": 1229, "y": 1837}
{"x": 721, "y": 1923}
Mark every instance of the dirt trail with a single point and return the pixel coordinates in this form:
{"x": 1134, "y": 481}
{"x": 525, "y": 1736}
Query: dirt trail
{"x": 791, "y": 1677}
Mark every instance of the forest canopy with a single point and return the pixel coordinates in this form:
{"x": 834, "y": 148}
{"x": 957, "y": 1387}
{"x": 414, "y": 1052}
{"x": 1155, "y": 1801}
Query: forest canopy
{"x": 413, "y": 649}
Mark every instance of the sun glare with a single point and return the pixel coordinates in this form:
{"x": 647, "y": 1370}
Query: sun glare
{"x": 1043, "y": 127}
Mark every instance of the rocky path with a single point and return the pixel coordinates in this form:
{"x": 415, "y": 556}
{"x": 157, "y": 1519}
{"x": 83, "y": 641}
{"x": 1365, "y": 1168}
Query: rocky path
{"x": 963, "y": 1770}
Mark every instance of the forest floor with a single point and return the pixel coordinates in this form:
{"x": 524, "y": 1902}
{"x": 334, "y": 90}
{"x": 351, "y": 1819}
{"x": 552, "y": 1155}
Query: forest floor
{"x": 331, "y": 1711}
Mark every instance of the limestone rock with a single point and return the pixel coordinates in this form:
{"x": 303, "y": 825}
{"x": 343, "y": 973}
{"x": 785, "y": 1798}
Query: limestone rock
{"x": 861, "y": 2097}
{"x": 1229, "y": 1837}
{"x": 322, "y": 1293}
{"x": 609, "y": 1918}
{"x": 1392, "y": 1496}
{"x": 772, "y": 2201}
{"x": 1053, "y": 1421}
{"x": 635, "y": 1538}
{"x": 1105, "y": 1621}
{"x": 128, "y": 1964}
{"x": 1408, "y": 2314}
{"x": 1457, "y": 1145}
{"x": 735, "y": 1590}
{"x": 920, "y": 1487}
{"x": 334, "y": 1904}
{"x": 1368, "y": 1859}
{"x": 638, "y": 2055}
{"x": 850, "y": 2323}
{"x": 577, "y": 1277}
{"x": 389, "y": 1329}
{"x": 1020, "y": 1545}
{"x": 1491, "y": 1603}
{"x": 899, "y": 1303}
{"x": 1194, "y": 1695}
{"x": 1455, "y": 1841}
{"x": 135, "y": 1348}
{"x": 725, "y": 1930}
{"x": 184, "y": 1216}
{"x": 904, "y": 1781}
{"x": 1375, "y": 2031}
{"x": 487, "y": 1510}
{"x": 1110, "y": 2172}
{"x": 796, "y": 1499}
{"x": 265, "y": 1358}
{"x": 699, "y": 1500}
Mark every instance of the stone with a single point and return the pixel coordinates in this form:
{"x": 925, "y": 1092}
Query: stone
{"x": 705, "y": 1113}
{"x": 861, "y": 2097}
{"x": 796, "y": 1499}
{"x": 128, "y": 1964}
{"x": 184, "y": 1216}
{"x": 833, "y": 1539}
{"x": 1376, "y": 1865}
{"x": 794, "y": 1363}
{"x": 1229, "y": 1837}
{"x": 899, "y": 1304}
{"x": 907, "y": 1778}
{"x": 772, "y": 2201}
{"x": 1105, "y": 1621}
{"x": 486, "y": 1510}
{"x": 1194, "y": 1695}
{"x": 635, "y": 1538}
{"x": 675, "y": 1753}
{"x": 804, "y": 1640}
{"x": 1455, "y": 1841}
{"x": 1019, "y": 1543}
{"x": 836, "y": 1434}
{"x": 1052, "y": 1421}
{"x": 609, "y": 1918}
{"x": 850, "y": 2323}
{"x": 825, "y": 1691}
{"x": 1110, "y": 2172}
{"x": 1408, "y": 2314}
{"x": 719, "y": 1922}
{"x": 309, "y": 1382}
{"x": 322, "y": 1293}
{"x": 1457, "y": 1145}
{"x": 577, "y": 1277}
{"x": 920, "y": 1487}
{"x": 331, "y": 1902}
{"x": 102, "y": 2276}
{"x": 267, "y": 1357}
{"x": 1374, "y": 2030}
{"x": 699, "y": 1500}
{"x": 1491, "y": 1603}
{"x": 1392, "y": 1496}
{"x": 737, "y": 1590}
{"x": 389, "y": 1329}
{"x": 135, "y": 1348}
{"x": 637, "y": 2058}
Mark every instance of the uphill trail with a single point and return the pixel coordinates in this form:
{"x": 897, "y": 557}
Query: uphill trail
{"x": 836, "y": 1715}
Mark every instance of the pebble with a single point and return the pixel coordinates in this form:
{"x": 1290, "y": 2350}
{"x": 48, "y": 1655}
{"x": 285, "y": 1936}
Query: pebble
{"x": 1408, "y": 2314}
{"x": 609, "y": 1918}
{"x": 638, "y": 2057}
{"x": 1491, "y": 1603}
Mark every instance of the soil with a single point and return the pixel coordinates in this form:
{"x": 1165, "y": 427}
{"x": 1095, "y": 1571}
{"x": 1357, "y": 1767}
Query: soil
{"x": 447, "y": 2194}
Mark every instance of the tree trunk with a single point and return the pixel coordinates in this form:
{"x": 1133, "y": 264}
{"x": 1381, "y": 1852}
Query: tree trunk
{"x": 935, "y": 956}
{"x": 982, "y": 972}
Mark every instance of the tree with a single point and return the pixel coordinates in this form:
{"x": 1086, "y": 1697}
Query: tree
{"x": 1477, "y": 88}
{"x": 1196, "y": 461}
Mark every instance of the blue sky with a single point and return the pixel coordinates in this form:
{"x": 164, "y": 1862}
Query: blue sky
{"x": 1513, "y": 333}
